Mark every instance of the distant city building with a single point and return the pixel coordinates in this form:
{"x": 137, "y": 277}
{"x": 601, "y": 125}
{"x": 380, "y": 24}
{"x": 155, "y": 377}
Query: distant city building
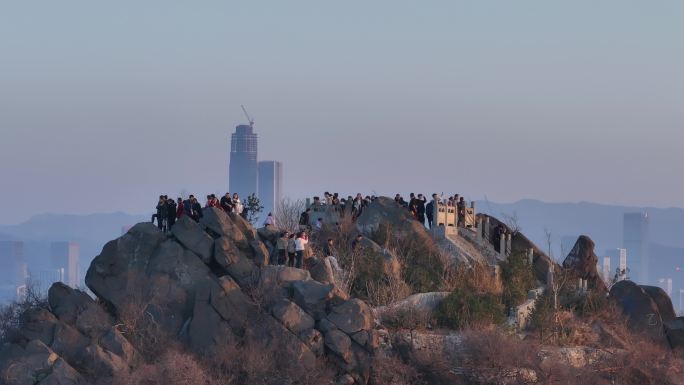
{"x": 270, "y": 185}
{"x": 607, "y": 273}
{"x": 13, "y": 269}
{"x": 636, "y": 241}
{"x": 619, "y": 258}
{"x": 66, "y": 255}
{"x": 681, "y": 301}
{"x": 666, "y": 285}
{"x": 242, "y": 177}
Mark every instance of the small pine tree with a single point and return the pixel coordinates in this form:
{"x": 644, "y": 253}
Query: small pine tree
{"x": 253, "y": 208}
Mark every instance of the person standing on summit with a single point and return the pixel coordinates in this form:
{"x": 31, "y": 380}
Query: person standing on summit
{"x": 162, "y": 210}
{"x": 226, "y": 203}
{"x": 170, "y": 213}
{"x": 420, "y": 209}
{"x": 429, "y": 211}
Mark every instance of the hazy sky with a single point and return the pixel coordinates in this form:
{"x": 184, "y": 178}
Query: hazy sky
{"x": 104, "y": 105}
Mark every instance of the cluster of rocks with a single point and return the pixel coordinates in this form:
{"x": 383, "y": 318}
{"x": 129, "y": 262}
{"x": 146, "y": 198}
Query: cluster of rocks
{"x": 76, "y": 337}
{"x": 649, "y": 310}
{"x": 206, "y": 284}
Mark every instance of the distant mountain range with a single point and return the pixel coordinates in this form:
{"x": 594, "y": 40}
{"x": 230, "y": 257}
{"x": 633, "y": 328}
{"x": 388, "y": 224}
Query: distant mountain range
{"x": 90, "y": 231}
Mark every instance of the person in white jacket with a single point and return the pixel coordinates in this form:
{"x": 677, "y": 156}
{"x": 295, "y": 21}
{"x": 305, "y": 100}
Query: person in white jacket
{"x": 300, "y": 246}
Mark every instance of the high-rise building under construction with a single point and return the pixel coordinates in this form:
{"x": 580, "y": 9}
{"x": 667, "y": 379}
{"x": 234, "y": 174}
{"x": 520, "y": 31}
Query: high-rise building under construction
{"x": 242, "y": 177}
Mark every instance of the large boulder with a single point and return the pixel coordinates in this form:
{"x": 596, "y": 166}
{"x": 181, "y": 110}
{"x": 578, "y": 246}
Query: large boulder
{"x": 638, "y": 306}
{"x": 352, "y": 316}
{"x": 582, "y": 262}
{"x": 234, "y": 261}
{"x": 662, "y": 300}
{"x": 313, "y": 297}
{"x": 321, "y": 270}
{"x": 293, "y": 317}
{"x": 340, "y": 344}
{"x": 76, "y": 308}
{"x": 191, "y": 235}
{"x": 216, "y": 222}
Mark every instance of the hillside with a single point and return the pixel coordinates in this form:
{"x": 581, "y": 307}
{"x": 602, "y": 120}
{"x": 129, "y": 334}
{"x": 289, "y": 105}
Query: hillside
{"x": 203, "y": 305}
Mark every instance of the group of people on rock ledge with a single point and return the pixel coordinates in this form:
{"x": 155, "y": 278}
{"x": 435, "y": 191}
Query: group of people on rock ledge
{"x": 421, "y": 209}
{"x": 418, "y": 206}
{"x": 168, "y": 210}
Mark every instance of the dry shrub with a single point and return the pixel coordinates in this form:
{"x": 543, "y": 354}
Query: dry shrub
{"x": 490, "y": 349}
{"x": 13, "y": 314}
{"x": 479, "y": 278}
{"x": 423, "y": 264}
{"x": 264, "y": 364}
{"x": 174, "y": 367}
{"x": 287, "y": 214}
{"x": 407, "y": 318}
{"x": 142, "y": 330}
{"x": 393, "y": 371}
{"x": 386, "y": 291}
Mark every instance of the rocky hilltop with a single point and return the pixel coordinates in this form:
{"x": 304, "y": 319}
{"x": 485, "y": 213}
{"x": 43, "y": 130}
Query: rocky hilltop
{"x": 202, "y": 305}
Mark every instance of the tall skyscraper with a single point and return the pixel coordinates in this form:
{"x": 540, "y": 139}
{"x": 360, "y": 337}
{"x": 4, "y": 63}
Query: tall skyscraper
{"x": 619, "y": 258}
{"x": 681, "y": 302}
{"x": 636, "y": 241}
{"x": 270, "y": 185}
{"x": 65, "y": 255}
{"x": 242, "y": 177}
{"x": 13, "y": 270}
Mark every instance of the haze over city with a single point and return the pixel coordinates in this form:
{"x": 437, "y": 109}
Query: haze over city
{"x": 104, "y": 106}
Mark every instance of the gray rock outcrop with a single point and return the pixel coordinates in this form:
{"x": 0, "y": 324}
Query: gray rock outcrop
{"x": 640, "y": 307}
{"x": 204, "y": 285}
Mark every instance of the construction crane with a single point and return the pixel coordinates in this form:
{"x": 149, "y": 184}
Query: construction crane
{"x": 249, "y": 118}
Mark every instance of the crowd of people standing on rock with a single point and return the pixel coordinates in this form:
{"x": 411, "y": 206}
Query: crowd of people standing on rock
{"x": 169, "y": 211}
{"x": 353, "y": 205}
{"x": 418, "y": 205}
{"x": 421, "y": 209}
{"x": 290, "y": 249}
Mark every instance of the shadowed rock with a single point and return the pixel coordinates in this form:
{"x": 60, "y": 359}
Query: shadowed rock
{"x": 582, "y": 262}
